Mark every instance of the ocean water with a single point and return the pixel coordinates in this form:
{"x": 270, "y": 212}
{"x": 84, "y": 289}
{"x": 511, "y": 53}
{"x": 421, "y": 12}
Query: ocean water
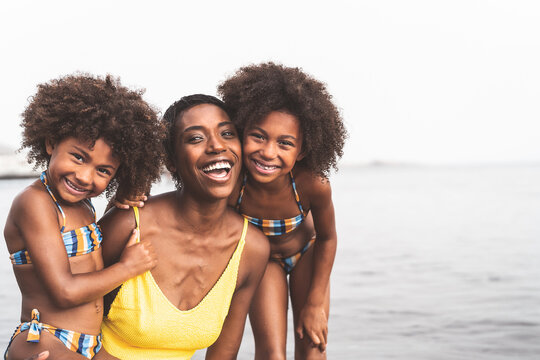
{"x": 432, "y": 263}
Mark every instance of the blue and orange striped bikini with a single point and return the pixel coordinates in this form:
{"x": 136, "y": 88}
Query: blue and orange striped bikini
{"x": 80, "y": 241}
{"x": 86, "y": 345}
{"x": 77, "y": 242}
{"x": 279, "y": 227}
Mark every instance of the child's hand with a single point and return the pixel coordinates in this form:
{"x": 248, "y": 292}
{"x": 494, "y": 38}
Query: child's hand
{"x": 138, "y": 257}
{"x": 313, "y": 322}
{"x": 125, "y": 204}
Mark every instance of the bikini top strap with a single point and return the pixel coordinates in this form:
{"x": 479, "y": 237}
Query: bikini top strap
{"x": 297, "y": 198}
{"x": 43, "y": 178}
{"x": 136, "y": 212}
{"x": 241, "y": 192}
{"x": 91, "y": 206}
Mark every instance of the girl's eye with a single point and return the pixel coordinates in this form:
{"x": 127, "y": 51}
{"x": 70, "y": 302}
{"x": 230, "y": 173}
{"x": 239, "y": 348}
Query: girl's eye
{"x": 105, "y": 171}
{"x": 257, "y": 136}
{"x": 77, "y": 156}
{"x": 286, "y": 143}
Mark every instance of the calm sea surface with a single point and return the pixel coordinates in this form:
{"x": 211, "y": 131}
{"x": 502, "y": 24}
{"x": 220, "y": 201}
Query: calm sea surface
{"x": 432, "y": 263}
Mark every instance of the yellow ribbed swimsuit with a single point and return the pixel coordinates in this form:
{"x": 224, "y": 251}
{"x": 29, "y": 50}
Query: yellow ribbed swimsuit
{"x": 143, "y": 324}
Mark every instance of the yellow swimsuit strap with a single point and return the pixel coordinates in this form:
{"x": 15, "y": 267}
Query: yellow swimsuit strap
{"x": 136, "y": 211}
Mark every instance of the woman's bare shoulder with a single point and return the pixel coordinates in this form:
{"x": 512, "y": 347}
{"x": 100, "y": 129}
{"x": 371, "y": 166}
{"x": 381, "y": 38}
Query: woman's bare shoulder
{"x": 256, "y": 243}
{"x": 257, "y": 247}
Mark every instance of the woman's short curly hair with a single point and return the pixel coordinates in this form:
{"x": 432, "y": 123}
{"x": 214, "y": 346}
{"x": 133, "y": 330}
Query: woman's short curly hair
{"x": 89, "y": 108}
{"x": 254, "y": 91}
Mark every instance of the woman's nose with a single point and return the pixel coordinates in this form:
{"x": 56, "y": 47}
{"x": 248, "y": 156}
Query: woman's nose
{"x": 216, "y": 144}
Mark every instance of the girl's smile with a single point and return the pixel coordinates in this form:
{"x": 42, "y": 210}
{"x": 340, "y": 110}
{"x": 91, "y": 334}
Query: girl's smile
{"x": 272, "y": 146}
{"x": 77, "y": 171}
{"x": 74, "y": 189}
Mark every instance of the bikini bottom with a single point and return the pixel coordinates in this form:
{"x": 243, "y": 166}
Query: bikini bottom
{"x": 289, "y": 262}
{"x": 86, "y": 345}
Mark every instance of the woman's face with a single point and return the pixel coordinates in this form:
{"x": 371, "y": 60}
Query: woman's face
{"x": 207, "y": 151}
{"x": 272, "y": 146}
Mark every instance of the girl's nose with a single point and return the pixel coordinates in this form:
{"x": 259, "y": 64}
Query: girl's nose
{"x": 269, "y": 151}
{"x": 84, "y": 175}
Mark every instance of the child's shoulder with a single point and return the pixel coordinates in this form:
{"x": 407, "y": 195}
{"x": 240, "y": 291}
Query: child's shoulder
{"x": 310, "y": 184}
{"x": 33, "y": 197}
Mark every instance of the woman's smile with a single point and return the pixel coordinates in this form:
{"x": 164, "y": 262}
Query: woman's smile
{"x": 208, "y": 147}
{"x": 219, "y": 170}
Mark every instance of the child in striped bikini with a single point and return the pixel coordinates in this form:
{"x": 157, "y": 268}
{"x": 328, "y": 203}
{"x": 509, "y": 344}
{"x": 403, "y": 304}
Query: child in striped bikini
{"x": 292, "y": 136}
{"x": 91, "y": 135}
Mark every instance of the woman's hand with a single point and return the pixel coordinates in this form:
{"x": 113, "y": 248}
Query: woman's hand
{"x": 313, "y": 322}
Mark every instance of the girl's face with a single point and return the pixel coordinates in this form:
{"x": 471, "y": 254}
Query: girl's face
{"x": 207, "y": 151}
{"x": 272, "y": 146}
{"x": 76, "y": 171}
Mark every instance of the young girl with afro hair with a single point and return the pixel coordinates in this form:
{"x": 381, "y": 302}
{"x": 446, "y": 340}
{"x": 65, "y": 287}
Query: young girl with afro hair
{"x": 293, "y": 135}
{"x": 91, "y": 135}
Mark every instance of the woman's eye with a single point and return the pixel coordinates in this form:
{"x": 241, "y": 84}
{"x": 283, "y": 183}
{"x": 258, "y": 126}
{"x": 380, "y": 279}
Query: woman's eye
{"x": 195, "y": 138}
{"x": 228, "y": 133}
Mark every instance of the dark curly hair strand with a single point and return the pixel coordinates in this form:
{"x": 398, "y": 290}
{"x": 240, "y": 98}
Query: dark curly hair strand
{"x": 254, "y": 91}
{"x": 88, "y": 108}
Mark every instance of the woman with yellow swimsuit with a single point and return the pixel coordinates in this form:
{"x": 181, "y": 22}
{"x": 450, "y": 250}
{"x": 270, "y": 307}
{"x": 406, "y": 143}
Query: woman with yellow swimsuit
{"x": 210, "y": 260}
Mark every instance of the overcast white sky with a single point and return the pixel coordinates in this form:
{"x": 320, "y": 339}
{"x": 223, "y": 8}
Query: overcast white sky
{"x": 430, "y": 81}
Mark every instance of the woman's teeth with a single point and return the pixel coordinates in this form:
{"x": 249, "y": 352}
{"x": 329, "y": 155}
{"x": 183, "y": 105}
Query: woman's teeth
{"x": 218, "y": 167}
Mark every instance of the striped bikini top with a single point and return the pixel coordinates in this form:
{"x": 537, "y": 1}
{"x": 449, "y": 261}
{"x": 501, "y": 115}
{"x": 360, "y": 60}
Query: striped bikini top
{"x": 77, "y": 242}
{"x": 274, "y": 227}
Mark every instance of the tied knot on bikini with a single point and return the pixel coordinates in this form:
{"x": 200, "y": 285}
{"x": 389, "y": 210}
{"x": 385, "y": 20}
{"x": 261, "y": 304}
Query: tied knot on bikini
{"x": 34, "y": 327}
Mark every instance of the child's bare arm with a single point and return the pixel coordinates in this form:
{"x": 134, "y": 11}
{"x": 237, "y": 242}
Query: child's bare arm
{"x": 37, "y": 221}
{"x": 313, "y": 320}
{"x": 116, "y": 226}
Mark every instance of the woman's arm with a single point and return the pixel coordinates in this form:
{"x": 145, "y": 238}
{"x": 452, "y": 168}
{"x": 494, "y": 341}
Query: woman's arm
{"x": 313, "y": 320}
{"x": 252, "y": 266}
{"x": 37, "y": 221}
